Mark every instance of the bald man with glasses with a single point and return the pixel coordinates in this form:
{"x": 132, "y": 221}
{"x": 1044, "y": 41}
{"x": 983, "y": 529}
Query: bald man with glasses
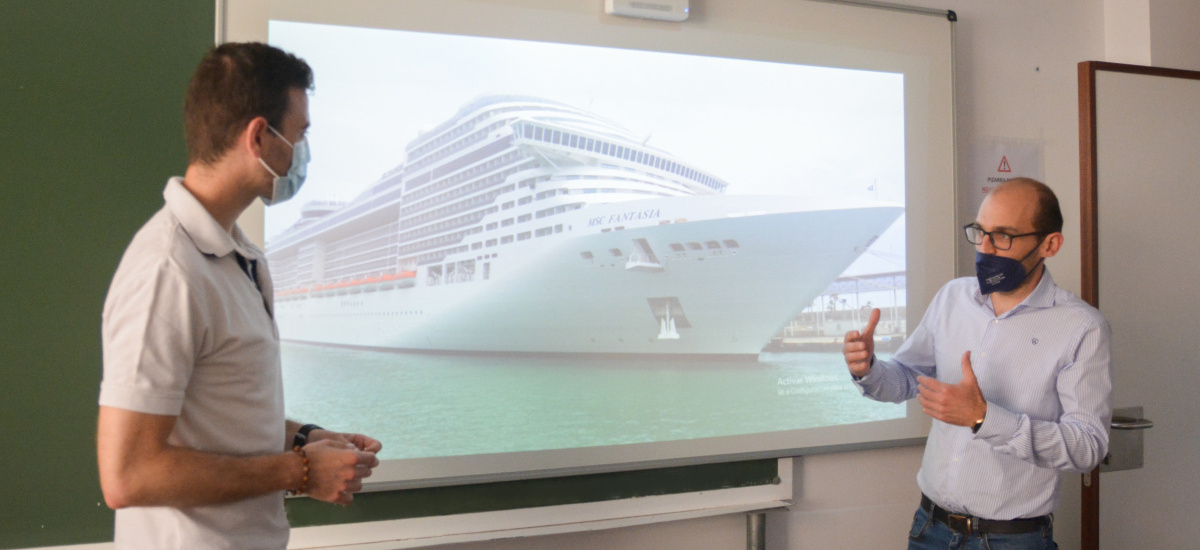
{"x": 1015, "y": 373}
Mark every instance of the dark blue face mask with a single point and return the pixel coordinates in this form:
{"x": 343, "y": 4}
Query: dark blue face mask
{"x": 1001, "y": 274}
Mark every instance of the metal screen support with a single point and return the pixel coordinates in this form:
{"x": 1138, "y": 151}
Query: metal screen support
{"x": 756, "y": 531}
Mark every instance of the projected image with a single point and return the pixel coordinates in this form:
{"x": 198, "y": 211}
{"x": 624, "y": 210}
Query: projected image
{"x": 509, "y": 245}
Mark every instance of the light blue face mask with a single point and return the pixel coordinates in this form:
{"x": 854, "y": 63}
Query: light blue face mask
{"x": 287, "y": 185}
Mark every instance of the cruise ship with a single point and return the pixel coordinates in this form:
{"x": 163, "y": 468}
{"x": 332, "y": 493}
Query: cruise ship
{"x": 524, "y": 225}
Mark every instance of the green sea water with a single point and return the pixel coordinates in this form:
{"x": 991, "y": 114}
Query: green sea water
{"x": 422, "y": 405}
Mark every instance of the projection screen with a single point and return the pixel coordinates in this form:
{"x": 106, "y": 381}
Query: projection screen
{"x": 539, "y": 240}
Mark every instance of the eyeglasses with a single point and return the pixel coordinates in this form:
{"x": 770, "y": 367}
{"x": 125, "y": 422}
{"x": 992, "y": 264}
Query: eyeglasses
{"x": 1000, "y": 240}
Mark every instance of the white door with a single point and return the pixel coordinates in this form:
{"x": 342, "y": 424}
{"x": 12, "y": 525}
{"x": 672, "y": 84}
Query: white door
{"x": 1148, "y": 192}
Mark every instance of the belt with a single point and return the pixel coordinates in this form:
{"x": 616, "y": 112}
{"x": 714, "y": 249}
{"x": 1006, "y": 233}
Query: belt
{"x": 972, "y": 525}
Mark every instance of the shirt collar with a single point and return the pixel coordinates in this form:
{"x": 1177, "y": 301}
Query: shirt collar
{"x": 1041, "y": 297}
{"x": 208, "y": 235}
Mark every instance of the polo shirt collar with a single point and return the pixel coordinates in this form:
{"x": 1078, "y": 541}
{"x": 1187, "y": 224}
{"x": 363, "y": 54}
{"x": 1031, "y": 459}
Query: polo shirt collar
{"x": 208, "y": 235}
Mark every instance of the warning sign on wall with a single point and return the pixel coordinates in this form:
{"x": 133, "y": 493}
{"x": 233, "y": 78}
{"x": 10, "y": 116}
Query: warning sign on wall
{"x": 996, "y": 160}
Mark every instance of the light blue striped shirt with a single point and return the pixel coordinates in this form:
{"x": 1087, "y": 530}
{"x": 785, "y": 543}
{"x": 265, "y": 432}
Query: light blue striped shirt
{"x": 1043, "y": 369}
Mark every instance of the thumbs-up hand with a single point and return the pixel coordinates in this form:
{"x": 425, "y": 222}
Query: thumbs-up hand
{"x": 960, "y": 404}
{"x": 859, "y": 347}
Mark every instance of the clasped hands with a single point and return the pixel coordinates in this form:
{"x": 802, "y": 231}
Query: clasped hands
{"x": 961, "y": 404}
{"x": 338, "y": 463}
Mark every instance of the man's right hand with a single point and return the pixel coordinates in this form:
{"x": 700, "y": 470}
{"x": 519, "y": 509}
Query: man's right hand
{"x": 859, "y": 347}
{"x": 336, "y": 470}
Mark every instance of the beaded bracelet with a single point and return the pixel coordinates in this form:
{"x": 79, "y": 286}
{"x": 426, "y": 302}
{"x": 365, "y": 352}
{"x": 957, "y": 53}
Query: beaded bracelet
{"x": 304, "y": 480}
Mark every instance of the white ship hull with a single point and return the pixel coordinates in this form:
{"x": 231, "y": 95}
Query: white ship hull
{"x": 774, "y": 255}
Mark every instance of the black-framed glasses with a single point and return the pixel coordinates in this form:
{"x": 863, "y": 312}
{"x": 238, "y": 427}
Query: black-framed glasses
{"x": 1000, "y": 240}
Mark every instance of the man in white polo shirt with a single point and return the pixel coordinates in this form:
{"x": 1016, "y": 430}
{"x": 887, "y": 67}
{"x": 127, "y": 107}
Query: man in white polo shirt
{"x": 193, "y": 447}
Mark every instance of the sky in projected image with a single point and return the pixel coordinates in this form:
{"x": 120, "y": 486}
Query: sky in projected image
{"x": 765, "y": 128}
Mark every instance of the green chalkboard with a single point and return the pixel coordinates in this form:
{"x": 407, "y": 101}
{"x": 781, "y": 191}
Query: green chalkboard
{"x": 90, "y": 128}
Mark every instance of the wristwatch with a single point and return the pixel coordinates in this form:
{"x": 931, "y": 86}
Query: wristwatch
{"x": 976, "y": 426}
{"x": 301, "y": 438}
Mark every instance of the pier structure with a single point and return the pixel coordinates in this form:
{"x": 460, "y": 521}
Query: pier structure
{"x": 844, "y": 306}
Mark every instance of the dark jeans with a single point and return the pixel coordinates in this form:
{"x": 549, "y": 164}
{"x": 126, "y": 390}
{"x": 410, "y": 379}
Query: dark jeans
{"x": 927, "y": 534}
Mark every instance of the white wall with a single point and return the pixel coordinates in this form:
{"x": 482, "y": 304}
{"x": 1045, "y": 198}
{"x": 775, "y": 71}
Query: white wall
{"x": 1016, "y": 78}
{"x": 1127, "y": 31}
{"x": 1175, "y": 34}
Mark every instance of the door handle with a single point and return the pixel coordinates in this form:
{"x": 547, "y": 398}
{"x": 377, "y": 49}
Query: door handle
{"x": 1130, "y": 423}
{"x": 1125, "y": 442}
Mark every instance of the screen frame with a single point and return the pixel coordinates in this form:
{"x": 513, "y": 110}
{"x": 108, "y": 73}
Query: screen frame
{"x": 917, "y": 42}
